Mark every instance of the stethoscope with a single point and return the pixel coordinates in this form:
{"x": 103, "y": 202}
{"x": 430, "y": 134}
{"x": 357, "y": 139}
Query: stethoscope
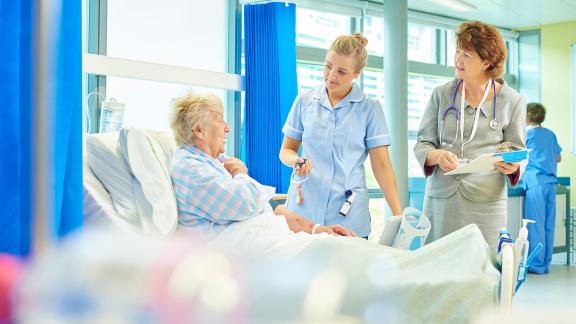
{"x": 459, "y": 115}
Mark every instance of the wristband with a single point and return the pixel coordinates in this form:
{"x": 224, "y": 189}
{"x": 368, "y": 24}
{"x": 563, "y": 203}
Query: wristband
{"x": 314, "y": 228}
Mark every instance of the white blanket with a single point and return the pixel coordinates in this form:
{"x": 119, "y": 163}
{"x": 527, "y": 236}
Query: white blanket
{"x": 451, "y": 280}
{"x": 266, "y": 234}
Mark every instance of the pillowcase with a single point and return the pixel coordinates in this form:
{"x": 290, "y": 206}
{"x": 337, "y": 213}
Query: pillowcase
{"x": 109, "y": 168}
{"x": 97, "y": 205}
{"x": 147, "y": 154}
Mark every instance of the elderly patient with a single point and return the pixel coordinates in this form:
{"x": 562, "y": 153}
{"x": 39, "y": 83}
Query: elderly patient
{"x": 213, "y": 191}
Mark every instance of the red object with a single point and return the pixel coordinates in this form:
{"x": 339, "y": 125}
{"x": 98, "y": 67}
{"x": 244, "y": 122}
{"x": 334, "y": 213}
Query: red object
{"x": 10, "y": 270}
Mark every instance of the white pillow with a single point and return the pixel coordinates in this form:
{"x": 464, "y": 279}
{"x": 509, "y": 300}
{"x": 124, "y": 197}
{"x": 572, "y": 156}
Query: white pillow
{"x": 97, "y": 204}
{"x": 110, "y": 169}
{"x": 147, "y": 154}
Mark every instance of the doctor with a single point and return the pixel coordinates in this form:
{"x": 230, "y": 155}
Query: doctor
{"x": 466, "y": 117}
{"x": 337, "y": 127}
{"x": 539, "y": 182}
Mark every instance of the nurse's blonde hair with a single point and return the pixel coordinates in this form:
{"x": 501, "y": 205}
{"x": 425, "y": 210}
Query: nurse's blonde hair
{"x": 352, "y": 45}
{"x": 190, "y": 112}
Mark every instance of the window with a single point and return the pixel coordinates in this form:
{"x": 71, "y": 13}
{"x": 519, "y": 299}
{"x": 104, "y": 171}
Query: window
{"x": 430, "y": 43}
{"x": 309, "y": 76}
{"x": 374, "y": 32}
{"x": 421, "y": 43}
{"x": 150, "y": 32}
{"x": 147, "y": 103}
{"x": 373, "y": 84}
{"x": 319, "y": 29}
{"x": 377, "y": 207}
{"x": 420, "y": 88}
{"x": 450, "y": 47}
{"x": 373, "y": 88}
{"x": 573, "y": 76}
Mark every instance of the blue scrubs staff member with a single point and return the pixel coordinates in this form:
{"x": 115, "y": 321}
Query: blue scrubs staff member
{"x": 337, "y": 127}
{"x": 539, "y": 182}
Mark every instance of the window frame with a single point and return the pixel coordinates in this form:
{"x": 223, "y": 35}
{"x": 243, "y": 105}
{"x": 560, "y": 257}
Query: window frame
{"x": 97, "y": 66}
{"x": 357, "y": 10}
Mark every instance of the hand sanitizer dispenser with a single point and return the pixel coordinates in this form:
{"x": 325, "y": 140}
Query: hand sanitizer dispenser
{"x": 523, "y": 246}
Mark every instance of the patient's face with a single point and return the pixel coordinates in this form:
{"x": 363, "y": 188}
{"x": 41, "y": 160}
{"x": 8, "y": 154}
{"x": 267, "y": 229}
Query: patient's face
{"x": 216, "y": 134}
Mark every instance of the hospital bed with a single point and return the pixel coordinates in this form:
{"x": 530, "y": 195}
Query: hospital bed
{"x": 127, "y": 189}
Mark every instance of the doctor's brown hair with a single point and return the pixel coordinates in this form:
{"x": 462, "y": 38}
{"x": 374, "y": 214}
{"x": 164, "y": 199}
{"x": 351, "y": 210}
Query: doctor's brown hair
{"x": 536, "y": 113}
{"x": 485, "y": 40}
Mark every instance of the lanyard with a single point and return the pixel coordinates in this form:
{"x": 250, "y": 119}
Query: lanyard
{"x": 476, "y": 117}
{"x": 298, "y": 185}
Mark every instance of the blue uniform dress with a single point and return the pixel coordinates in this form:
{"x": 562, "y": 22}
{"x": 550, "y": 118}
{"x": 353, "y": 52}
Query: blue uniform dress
{"x": 539, "y": 181}
{"x": 336, "y": 140}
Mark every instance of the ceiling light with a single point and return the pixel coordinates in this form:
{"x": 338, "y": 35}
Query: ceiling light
{"x": 458, "y": 5}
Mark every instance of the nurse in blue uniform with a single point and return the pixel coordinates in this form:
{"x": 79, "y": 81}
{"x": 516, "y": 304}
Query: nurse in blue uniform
{"x": 539, "y": 182}
{"x": 336, "y": 127}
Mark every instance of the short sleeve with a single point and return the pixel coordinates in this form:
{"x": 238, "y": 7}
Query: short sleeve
{"x": 377, "y": 133}
{"x": 558, "y": 147}
{"x": 293, "y": 127}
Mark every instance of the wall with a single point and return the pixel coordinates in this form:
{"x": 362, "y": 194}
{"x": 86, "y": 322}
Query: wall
{"x": 555, "y": 45}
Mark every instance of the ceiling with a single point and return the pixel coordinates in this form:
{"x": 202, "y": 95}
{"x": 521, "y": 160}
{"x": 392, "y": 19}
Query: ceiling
{"x": 512, "y": 14}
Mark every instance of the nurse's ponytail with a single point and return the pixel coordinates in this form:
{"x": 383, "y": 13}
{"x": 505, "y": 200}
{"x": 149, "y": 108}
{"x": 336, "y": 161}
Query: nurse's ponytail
{"x": 352, "y": 45}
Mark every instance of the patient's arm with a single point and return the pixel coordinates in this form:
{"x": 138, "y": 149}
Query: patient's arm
{"x": 297, "y": 223}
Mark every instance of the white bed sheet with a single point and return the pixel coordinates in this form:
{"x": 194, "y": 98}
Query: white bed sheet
{"x": 452, "y": 280}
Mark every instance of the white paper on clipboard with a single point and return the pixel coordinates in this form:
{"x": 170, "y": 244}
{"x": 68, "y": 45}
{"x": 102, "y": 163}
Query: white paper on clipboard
{"x": 482, "y": 163}
{"x": 485, "y": 162}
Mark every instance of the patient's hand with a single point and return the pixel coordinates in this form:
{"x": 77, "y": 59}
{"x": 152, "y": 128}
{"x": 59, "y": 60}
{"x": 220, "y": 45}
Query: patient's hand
{"x": 235, "y": 166}
{"x": 336, "y": 230}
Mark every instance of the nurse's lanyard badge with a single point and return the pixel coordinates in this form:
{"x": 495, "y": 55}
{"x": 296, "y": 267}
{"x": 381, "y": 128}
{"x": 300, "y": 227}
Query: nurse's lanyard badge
{"x": 460, "y": 117}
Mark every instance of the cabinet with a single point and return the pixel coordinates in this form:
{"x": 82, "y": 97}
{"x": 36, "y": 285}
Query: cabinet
{"x": 516, "y": 213}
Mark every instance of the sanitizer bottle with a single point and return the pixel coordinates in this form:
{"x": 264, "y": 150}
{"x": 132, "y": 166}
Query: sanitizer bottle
{"x": 523, "y": 245}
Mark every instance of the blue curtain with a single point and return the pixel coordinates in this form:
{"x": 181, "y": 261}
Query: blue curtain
{"x": 271, "y": 87}
{"x": 17, "y": 54}
{"x": 15, "y": 72}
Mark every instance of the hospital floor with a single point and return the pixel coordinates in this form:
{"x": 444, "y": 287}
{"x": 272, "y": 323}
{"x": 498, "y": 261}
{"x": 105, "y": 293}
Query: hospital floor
{"x": 555, "y": 290}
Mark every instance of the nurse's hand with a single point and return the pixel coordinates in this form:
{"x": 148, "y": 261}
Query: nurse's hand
{"x": 447, "y": 160}
{"x": 336, "y": 230}
{"x": 235, "y": 166}
{"x": 506, "y": 168}
{"x": 305, "y": 167}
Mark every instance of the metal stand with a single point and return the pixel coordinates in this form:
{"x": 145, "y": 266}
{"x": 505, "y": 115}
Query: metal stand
{"x": 571, "y": 244}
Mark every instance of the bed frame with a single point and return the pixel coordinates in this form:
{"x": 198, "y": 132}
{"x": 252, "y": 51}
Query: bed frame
{"x": 507, "y": 278}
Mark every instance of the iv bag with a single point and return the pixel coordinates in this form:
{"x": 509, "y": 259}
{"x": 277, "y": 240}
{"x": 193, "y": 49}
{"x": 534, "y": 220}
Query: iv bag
{"x": 111, "y": 116}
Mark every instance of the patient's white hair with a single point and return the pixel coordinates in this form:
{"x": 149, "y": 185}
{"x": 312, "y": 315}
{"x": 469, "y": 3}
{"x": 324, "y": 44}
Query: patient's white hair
{"x": 192, "y": 111}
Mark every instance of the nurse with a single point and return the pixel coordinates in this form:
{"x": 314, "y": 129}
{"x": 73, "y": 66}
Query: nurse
{"x": 336, "y": 127}
{"x": 466, "y": 117}
{"x": 539, "y": 182}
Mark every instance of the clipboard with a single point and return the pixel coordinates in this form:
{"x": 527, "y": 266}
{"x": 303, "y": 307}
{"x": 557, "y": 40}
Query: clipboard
{"x": 485, "y": 162}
